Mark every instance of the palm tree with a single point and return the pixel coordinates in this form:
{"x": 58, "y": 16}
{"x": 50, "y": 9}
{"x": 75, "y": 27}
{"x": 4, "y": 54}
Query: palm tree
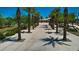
{"x": 2, "y": 21}
{"x": 29, "y": 20}
{"x": 51, "y": 20}
{"x": 37, "y": 17}
{"x": 65, "y": 23}
{"x": 28, "y": 9}
{"x": 31, "y": 11}
{"x": 76, "y": 15}
{"x": 71, "y": 18}
{"x": 18, "y": 23}
{"x": 57, "y": 12}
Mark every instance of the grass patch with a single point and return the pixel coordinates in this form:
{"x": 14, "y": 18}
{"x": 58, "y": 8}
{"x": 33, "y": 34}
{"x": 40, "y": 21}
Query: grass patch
{"x": 73, "y": 31}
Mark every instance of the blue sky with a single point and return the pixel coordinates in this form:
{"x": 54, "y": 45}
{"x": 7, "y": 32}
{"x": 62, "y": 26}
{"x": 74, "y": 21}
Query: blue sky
{"x": 44, "y": 11}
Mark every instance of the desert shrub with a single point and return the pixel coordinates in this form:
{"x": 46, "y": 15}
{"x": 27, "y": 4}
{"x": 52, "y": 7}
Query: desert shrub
{"x": 11, "y": 32}
{"x": 2, "y": 36}
{"x": 23, "y": 27}
{"x": 15, "y": 30}
{"x": 72, "y": 30}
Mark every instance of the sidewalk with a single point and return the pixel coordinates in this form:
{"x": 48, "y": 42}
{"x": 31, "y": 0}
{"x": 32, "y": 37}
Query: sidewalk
{"x": 34, "y": 41}
{"x": 66, "y": 46}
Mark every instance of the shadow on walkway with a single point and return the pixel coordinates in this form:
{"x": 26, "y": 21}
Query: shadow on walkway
{"x": 44, "y": 26}
{"x": 54, "y": 41}
{"x": 49, "y": 32}
{"x": 13, "y": 39}
{"x": 25, "y": 32}
{"x": 48, "y": 29}
{"x": 59, "y": 33}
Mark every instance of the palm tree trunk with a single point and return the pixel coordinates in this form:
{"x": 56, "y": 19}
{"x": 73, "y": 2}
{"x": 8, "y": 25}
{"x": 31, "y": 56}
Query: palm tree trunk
{"x": 52, "y": 22}
{"x": 19, "y": 31}
{"x": 29, "y": 20}
{"x": 49, "y": 21}
{"x": 32, "y": 21}
{"x": 56, "y": 25}
{"x": 18, "y": 23}
{"x": 38, "y": 21}
{"x": 65, "y": 23}
{"x": 64, "y": 34}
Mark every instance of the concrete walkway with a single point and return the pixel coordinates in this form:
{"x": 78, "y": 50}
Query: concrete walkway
{"x": 42, "y": 38}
